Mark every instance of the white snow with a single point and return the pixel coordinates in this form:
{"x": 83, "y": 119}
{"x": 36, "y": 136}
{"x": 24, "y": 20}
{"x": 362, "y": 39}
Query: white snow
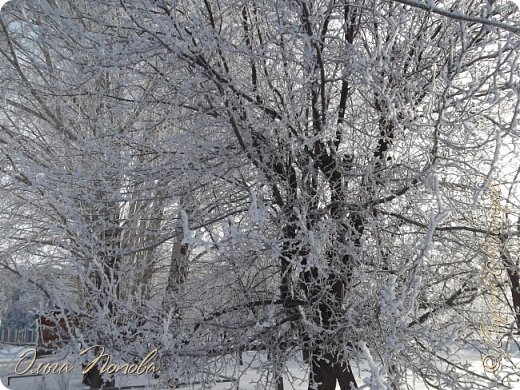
{"x": 247, "y": 377}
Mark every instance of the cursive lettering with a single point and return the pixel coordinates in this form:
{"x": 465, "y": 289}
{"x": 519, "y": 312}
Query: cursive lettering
{"x": 26, "y": 364}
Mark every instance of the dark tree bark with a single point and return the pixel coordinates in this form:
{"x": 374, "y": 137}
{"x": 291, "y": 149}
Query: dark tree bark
{"x": 514, "y": 278}
{"x": 94, "y": 379}
{"x": 104, "y": 279}
{"x": 326, "y": 374}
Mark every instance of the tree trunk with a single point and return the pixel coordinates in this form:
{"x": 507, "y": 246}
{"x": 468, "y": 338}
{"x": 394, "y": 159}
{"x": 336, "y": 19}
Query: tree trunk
{"x": 277, "y": 374}
{"x": 279, "y": 385}
{"x": 326, "y": 370}
{"x": 178, "y": 263}
{"x": 514, "y": 278}
{"x": 94, "y": 379}
{"x": 106, "y": 278}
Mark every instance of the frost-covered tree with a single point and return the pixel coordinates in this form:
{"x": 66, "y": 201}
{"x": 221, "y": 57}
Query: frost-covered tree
{"x": 84, "y": 194}
{"x": 312, "y": 175}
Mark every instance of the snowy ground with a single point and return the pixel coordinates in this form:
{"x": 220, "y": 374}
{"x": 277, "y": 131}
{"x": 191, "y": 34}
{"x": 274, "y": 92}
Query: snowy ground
{"x": 246, "y": 374}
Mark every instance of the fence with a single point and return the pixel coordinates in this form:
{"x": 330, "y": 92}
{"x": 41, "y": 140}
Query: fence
{"x": 17, "y": 336}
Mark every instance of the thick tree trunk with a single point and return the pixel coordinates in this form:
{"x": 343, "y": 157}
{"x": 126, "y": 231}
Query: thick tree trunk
{"x": 277, "y": 375}
{"x": 514, "y": 279}
{"x": 327, "y": 369}
{"x": 94, "y": 379}
{"x": 106, "y": 278}
{"x": 513, "y": 274}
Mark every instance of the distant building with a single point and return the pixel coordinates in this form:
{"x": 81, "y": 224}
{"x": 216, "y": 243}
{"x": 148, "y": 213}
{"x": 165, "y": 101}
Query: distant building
{"x": 53, "y": 331}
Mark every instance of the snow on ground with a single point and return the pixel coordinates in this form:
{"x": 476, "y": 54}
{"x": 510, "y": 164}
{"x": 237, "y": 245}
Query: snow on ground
{"x": 8, "y": 353}
{"x": 247, "y": 374}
